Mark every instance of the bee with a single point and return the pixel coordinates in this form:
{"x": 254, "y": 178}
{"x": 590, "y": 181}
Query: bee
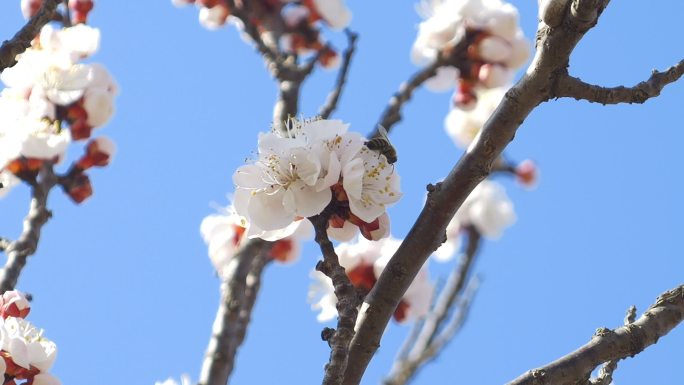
{"x": 382, "y": 145}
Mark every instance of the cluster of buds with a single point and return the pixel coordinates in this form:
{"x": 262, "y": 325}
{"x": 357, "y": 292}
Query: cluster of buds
{"x": 225, "y": 232}
{"x": 363, "y": 262}
{"x": 26, "y": 354}
{"x": 295, "y": 25}
{"x": 482, "y": 41}
{"x": 52, "y": 99}
{"x": 78, "y": 9}
{"x": 315, "y": 166}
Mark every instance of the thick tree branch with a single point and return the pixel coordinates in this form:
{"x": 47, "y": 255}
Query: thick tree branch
{"x": 347, "y": 303}
{"x": 238, "y": 295}
{"x": 553, "y": 50}
{"x": 333, "y": 98}
{"x": 22, "y": 39}
{"x": 422, "y": 350}
{"x": 19, "y": 250}
{"x": 607, "y": 345}
{"x": 572, "y": 87}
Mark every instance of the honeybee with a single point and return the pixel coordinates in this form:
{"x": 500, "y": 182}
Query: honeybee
{"x": 382, "y": 145}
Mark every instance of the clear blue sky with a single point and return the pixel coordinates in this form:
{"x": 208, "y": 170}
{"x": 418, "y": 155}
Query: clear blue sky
{"x": 124, "y": 286}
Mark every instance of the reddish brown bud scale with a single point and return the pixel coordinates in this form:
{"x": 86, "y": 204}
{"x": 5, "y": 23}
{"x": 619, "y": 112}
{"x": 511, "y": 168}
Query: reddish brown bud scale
{"x": 400, "y": 312}
{"x": 79, "y": 188}
{"x": 281, "y": 250}
{"x": 80, "y": 9}
{"x": 363, "y": 277}
{"x": 25, "y": 168}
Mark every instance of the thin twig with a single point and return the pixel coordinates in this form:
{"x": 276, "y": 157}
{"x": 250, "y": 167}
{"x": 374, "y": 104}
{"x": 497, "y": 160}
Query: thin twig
{"x": 22, "y": 39}
{"x": 233, "y": 315}
{"x": 347, "y": 303}
{"x": 333, "y": 98}
{"x": 405, "y": 368}
{"x": 27, "y": 243}
{"x": 572, "y": 87}
{"x": 607, "y": 345}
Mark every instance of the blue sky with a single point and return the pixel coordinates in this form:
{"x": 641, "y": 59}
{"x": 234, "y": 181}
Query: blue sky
{"x": 122, "y": 283}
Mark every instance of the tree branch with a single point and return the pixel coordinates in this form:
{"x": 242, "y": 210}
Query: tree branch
{"x": 19, "y": 250}
{"x": 331, "y": 102}
{"x": 605, "y": 376}
{"x": 405, "y": 368}
{"x": 572, "y": 87}
{"x": 347, "y": 303}
{"x": 238, "y": 295}
{"x": 553, "y": 50}
{"x": 22, "y": 39}
{"x": 607, "y": 345}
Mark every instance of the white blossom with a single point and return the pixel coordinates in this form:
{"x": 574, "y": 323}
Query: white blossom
{"x": 293, "y": 176}
{"x": 26, "y": 344}
{"x": 463, "y": 126}
{"x": 334, "y": 12}
{"x": 488, "y": 208}
{"x": 184, "y": 380}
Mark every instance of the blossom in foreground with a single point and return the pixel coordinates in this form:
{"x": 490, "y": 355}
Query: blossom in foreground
{"x": 317, "y": 164}
{"x": 488, "y": 209}
{"x": 364, "y": 261}
{"x": 224, "y": 233}
{"x": 27, "y": 354}
{"x": 487, "y": 35}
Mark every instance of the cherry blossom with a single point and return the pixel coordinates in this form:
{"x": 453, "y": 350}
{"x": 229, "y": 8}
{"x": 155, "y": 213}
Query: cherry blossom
{"x": 316, "y": 163}
{"x": 488, "y": 41}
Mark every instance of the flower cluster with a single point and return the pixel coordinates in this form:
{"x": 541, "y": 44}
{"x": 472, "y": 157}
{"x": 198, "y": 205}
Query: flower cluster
{"x": 482, "y": 37}
{"x": 48, "y": 91}
{"x": 318, "y": 164}
{"x": 364, "y": 261}
{"x": 295, "y": 24}
{"x": 224, "y": 233}
{"x": 488, "y": 209}
{"x": 26, "y": 353}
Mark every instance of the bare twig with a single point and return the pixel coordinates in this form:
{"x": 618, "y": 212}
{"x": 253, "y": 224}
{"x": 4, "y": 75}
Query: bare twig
{"x": 607, "y": 345}
{"x": 333, "y": 98}
{"x": 238, "y": 295}
{"x": 405, "y": 368}
{"x": 22, "y": 39}
{"x": 571, "y": 87}
{"x": 347, "y": 303}
{"x": 27, "y": 243}
{"x": 554, "y": 48}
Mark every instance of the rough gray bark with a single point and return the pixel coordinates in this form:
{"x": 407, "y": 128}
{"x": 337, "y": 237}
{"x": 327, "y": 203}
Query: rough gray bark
{"x": 606, "y": 345}
{"x": 554, "y": 46}
{"x": 22, "y": 39}
{"x": 347, "y": 304}
{"x": 238, "y": 295}
{"x": 27, "y": 243}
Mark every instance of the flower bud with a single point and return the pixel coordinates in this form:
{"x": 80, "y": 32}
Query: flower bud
{"x": 78, "y": 187}
{"x": 79, "y": 10}
{"x": 527, "y": 173}
{"x": 13, "y": 303}
{"x": 30, "y": 7}
{"x": 99, "y": 152}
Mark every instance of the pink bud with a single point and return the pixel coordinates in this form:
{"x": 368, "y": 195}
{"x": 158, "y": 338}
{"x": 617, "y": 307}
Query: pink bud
{"x": 527, "y": 173}
{"x": 30, "y": 7}
{"x": 14, "y": 304}
{"x": 79, "y": 10}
